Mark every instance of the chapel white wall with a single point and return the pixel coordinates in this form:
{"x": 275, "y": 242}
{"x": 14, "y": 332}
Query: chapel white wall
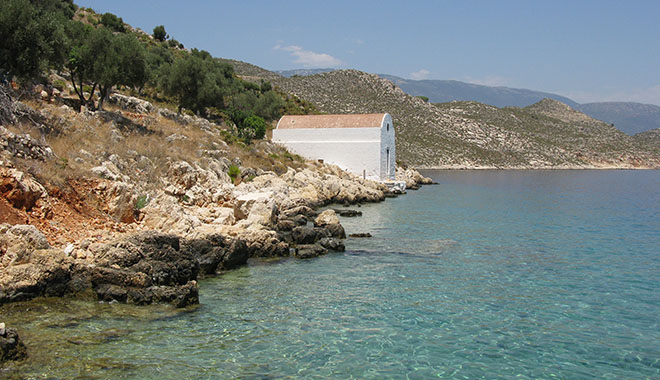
{"x": 352, "y": 149}
{"x": 387, "y": 141}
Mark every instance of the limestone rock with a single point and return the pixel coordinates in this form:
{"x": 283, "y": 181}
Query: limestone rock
{"x": 44, "y": 272}
{"x": 18, "y": 242}
{"x": 131, "y": 103}
{"x": 109, "y": 170}
{"x": 326, "y": 217}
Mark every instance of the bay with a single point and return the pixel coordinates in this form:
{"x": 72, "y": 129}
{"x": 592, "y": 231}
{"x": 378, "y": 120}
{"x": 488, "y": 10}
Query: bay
{"x": 489, "y": 274}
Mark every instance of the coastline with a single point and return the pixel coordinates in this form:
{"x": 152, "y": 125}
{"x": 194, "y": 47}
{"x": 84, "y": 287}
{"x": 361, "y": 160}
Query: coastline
{"x": 163, "y": 255}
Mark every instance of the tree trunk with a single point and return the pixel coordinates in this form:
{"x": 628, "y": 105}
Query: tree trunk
{"x": 104, "y": 94}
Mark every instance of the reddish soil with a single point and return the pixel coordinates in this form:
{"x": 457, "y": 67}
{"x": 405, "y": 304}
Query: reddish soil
{"x": 70, "y": 214}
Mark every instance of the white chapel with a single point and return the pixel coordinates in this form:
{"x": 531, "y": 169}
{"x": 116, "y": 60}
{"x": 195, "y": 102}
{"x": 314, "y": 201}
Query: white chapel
{"x": 360, "y": 143}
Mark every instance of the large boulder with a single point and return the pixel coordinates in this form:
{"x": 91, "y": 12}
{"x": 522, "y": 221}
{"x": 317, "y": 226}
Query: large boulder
{"x": 28, "y": 267}
{"x": 325, "y": 218}
{"x": 20, "y": 189}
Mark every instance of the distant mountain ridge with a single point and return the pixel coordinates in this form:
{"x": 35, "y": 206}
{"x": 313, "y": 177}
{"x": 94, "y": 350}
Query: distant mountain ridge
{"x": 629, "y": 117}
{"x": 443, "y": 91}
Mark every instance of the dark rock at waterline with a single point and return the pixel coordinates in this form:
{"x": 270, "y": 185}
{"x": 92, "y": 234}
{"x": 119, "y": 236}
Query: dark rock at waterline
{"x": 360, "y": 235}
{"x": 308, "y": 251}
{"x": 215, "y": 252}
{"x": 335, "y": 230}
{"x": 11, "y": 347}
{"x": 332, "y": 244}
{"x": 149, "y": 267}
{"x": 347, "y": 213}
{"x": 305, "y": 235}
{"x": 267, "y": 245}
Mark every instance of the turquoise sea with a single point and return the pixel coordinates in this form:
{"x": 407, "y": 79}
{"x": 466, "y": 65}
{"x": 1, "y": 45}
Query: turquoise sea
{"x": 488, "y": 275}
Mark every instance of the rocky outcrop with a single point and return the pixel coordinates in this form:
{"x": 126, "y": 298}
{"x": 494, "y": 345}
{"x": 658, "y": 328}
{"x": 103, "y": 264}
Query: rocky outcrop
{"x": 131, "y": 103}
{"x": 325, "y": 218}
{"x": 216, "y": 252}
{"x": 412, "y": 178}
{"x": 11, "y": 347}
{"x": 142, "y": 268}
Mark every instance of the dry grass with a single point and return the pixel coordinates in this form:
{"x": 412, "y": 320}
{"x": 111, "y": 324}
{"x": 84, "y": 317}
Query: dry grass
{"x": 82, "y": 142}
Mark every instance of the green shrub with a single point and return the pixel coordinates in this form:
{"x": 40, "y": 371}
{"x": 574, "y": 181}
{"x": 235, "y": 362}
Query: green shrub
{"x": 254, "y": 127}
{"x": 59, "y": 84}
{"x": 160, "y": 34}
{"x": 141, "y": 202}
{"x": 113, "y": 22}
{"x": 234, "y": 172}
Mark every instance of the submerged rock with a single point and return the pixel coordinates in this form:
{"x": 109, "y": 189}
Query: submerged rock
{"x": 348, "y": 213}
{"x": 360, "y": 235}
{"x": 308, "y": 251}
{"x": 11, "y": 347}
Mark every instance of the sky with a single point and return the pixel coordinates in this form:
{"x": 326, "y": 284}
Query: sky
{"x": 589, "y": 51}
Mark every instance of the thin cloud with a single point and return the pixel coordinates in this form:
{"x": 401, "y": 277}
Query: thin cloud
{"x": 309, "y": 59}
{"x": 420, "y": 74}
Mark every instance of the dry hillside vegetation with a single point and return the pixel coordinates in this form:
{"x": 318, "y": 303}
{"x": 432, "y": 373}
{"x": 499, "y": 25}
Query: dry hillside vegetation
{"x": 99, "y": 169}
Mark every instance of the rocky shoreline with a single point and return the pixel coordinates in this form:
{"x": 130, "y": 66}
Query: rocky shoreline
{"x": 150, "y": 266}
{"x": 163, "y": 266}
{"x": 110, "y": 235}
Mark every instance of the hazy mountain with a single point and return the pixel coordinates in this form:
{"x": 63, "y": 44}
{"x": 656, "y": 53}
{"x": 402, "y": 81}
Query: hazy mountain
{"x": 629, "y": 117}
{"x": 442, "y": 91}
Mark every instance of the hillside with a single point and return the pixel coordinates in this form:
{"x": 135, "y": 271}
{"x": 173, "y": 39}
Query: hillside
{"x": 302, "y": 72}
{"x": 549, "y": 134}
{"x": 650, "y": 139}
{"x": 248, "y": 70}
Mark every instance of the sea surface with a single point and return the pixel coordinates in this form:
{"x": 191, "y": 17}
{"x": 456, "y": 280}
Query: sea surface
{"x": 487, "y": 275}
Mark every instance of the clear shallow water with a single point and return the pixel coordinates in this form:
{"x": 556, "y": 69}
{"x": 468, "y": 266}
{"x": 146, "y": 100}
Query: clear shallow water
{"x": 488, "y": 275}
